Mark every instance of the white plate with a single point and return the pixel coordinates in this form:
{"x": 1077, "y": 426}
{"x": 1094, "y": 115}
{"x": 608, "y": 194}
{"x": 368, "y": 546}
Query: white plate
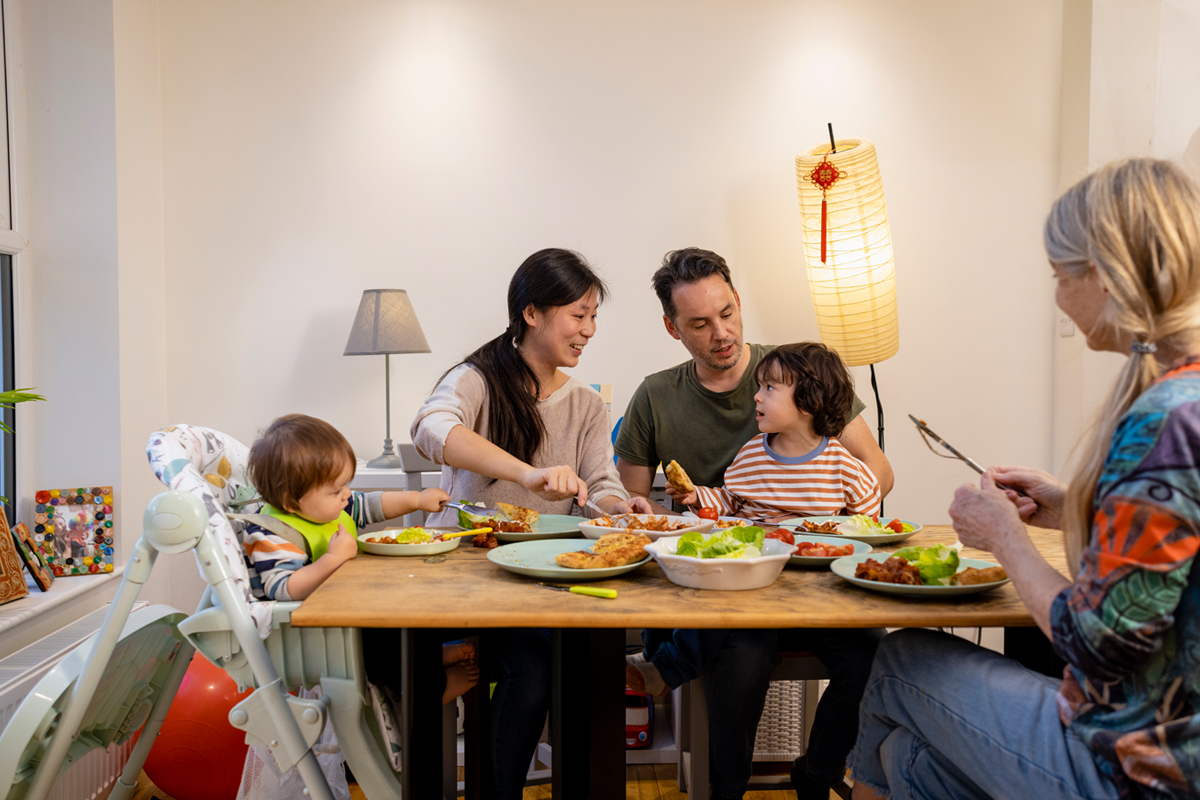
{"x": 550, "y": 526}
{"x": 724, "y": 574}
{"x": 423, "y": 549}
{"x": 536, "y": 560}
{"x": 860, "y": 548}
{"x": 844, "y": 568}
{"x": 596, "y": 531}
{"x": 869, "y": 538}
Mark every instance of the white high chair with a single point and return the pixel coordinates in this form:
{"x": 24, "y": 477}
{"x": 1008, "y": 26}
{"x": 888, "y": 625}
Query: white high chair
{"x": 141, "y": 658}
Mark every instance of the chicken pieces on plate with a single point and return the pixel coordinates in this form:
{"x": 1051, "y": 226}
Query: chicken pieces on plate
{"x": 610, "y": 550}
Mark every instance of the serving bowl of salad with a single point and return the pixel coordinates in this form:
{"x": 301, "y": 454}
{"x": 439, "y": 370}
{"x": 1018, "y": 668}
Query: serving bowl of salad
{"x": 734, "y": 559}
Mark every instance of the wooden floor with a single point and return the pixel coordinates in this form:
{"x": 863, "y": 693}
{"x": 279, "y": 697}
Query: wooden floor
{"x": 643, "y": 782}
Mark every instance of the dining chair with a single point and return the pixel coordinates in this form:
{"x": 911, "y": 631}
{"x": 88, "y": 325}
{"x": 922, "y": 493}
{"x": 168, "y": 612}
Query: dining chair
{"x": 693, "y": 752}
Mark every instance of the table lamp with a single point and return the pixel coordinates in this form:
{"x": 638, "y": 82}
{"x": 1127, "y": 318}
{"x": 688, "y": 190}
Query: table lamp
{"x": 848, "y": 248}
{"x": 386, "y": 324}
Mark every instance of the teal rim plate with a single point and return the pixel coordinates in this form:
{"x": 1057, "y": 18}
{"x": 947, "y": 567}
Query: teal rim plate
{"x": 869, "y": 538}
{"x": 536, "y": 560}
{"x": 860, "y": 548}
{"x": 844, "y": 568}
{"x": 550, "y": 526}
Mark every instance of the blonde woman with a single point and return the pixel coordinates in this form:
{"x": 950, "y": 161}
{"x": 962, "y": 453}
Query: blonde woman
{"x": 944, "y": 719}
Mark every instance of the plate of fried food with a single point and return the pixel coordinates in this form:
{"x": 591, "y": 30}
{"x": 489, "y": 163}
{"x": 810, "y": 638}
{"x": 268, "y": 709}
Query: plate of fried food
{"x": 859, "y": 527}
{"x": 414, "y": 541}
{"x": 511, "y": 523}
{"x": 653, "y": 525}
{"x": 574, "y": 559}
{"x": 921, "y": 571}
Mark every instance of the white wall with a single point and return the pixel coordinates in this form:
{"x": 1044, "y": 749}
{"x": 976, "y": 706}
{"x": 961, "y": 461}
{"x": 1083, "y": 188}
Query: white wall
{"x": 312, "y": 150}
{"x": 1138, "y": 66}
{"x": 70, "y": 266}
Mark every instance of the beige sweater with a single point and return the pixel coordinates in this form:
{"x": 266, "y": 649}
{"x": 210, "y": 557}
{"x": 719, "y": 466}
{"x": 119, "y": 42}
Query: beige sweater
{"x": 577, "y": 435}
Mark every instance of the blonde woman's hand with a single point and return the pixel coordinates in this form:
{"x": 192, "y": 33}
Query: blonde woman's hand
{"x": 1042, "y": 503}
{"x": 555, "y": 483}
{"x": 984, "y": 517}
{"x": 432, "y": 500}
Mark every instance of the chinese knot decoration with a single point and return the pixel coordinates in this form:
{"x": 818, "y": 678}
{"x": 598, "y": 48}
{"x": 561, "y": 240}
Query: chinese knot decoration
{"x": 824, "y": 175}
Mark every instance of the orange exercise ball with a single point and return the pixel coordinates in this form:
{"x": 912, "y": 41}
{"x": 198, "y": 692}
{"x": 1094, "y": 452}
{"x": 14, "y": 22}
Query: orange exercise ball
{"x": 198, "y": 755}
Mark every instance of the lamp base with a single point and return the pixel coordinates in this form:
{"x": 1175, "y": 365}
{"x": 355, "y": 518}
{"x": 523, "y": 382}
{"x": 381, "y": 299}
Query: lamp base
{"x": 389, "y": 459}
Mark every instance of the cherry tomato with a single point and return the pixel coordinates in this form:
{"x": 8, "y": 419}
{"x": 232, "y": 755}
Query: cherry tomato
{"x": 896, "y": 525}
{"x": 783, "y": 535}
{"x": 708, "y": 513}
{"x": 875, "y": 517}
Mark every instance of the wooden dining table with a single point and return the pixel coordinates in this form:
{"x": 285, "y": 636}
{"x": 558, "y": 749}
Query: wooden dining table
{"x": 463, "y": 590}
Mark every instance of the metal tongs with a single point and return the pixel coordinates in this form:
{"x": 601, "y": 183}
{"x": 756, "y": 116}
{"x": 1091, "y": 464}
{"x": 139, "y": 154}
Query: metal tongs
{"x": 471, "y": 508}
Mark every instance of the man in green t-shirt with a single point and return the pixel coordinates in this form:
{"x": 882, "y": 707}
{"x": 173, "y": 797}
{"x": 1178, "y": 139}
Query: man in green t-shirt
{"x": 700, "y": 413}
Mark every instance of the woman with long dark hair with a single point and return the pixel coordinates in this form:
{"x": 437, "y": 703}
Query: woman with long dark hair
{"x": 509, "y": 425}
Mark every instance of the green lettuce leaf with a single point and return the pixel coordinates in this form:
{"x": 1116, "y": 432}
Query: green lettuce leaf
{"x": 937, "y": 564}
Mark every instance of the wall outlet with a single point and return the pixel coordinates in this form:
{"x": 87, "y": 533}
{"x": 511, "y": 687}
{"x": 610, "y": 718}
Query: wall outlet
{"x": 1066, "y": 327}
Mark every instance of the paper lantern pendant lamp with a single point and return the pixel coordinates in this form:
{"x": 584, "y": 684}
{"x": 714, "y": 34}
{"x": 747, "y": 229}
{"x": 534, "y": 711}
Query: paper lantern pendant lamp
{"x": 849, "y": 250}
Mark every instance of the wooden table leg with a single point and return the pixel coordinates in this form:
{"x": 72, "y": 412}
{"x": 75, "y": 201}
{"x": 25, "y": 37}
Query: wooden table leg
{"x": 587, "y": 713}
{"x": 421, "y": 712}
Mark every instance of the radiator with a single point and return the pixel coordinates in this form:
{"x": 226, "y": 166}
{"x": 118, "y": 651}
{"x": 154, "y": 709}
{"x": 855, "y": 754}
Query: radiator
{"x": 93, "y": 775}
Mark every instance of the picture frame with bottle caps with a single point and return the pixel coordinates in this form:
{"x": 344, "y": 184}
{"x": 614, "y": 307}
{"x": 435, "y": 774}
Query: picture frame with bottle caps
{"x": 73, "y": 529}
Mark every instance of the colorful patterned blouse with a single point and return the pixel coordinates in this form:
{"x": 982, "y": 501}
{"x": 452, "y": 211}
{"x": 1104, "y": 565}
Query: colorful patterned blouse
{"x": 1129, "y": 628}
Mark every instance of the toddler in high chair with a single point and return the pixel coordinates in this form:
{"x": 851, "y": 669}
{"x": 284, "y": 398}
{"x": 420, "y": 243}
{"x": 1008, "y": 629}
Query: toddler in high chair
{"x": 302, "y": 468}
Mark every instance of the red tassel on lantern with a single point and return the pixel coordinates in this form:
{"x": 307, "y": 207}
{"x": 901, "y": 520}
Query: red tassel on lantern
{"x": 824, "y": 175}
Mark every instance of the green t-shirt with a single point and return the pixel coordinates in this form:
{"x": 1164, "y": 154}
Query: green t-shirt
{"x": 672, "y": 416}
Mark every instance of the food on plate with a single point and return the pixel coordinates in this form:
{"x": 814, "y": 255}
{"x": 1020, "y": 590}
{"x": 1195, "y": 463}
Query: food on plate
{"x": 519, "y": 514}
{"x": 821, "y": 550}
{"x": 862, "y": 525}
{"x": 486, "y": 540}
{"x": 783, "y": 535}
{"x": 744, "y": 542}
{"x": 820, "y": 527}
{"x": 936, "y": 564}
{"x": 971, "y": 576}
{"x": 732, "y": 523}
{"x": 610, "y": 550}
{"x": 678, "y": 479}
{"x": 648, "y": 523}
{"x": 504, "y": 518}
{"x": 413, "y": 535}
{"x": 708, "y": 513}
{"x": 894, "y": 570}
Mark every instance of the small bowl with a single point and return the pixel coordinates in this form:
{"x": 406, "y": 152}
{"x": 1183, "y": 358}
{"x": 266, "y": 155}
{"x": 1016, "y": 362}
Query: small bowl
{"x": 722, "y": 574}
{"x": 592, "y": 531}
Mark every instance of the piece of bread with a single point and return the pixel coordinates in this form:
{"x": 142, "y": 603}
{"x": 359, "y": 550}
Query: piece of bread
{"x": 971, "y": 576}
{"x": 678, "y": 479}
{"x": 519, "y": 514}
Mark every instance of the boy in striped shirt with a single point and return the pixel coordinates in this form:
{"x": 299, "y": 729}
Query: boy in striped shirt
{"x": 797, "y": 467}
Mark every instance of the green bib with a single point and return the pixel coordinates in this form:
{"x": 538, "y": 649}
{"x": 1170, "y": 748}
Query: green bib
{"x": 316, "y": 535}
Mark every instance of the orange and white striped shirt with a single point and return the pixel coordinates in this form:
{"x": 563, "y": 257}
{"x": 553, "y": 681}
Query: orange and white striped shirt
{"x": 761, "y": 483}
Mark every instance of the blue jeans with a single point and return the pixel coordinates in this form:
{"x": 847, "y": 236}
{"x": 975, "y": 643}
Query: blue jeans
{"x": 943, "y": 718}
{"x": 737, "y": 667}
{"x": 518, "y": 661}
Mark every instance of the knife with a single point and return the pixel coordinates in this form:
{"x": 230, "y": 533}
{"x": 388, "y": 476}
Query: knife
{"x": 610, "y": 594}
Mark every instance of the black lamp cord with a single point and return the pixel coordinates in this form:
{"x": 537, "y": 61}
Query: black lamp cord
{"x": 879, "y": 414}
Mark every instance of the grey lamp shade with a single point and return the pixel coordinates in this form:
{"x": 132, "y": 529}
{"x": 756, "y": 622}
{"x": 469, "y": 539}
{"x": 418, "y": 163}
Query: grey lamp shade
{"x": 385, "y": 323}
